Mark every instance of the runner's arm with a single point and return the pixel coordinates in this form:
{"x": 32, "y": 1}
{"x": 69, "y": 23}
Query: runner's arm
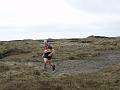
{"x": 52, "y": 52}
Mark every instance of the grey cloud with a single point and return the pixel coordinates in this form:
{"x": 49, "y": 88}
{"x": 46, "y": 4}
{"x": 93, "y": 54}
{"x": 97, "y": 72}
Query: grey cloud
{"x": 97, "y": 6}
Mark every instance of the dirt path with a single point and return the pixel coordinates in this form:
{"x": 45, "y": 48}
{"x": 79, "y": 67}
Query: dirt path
{"x": 86, "y": 65}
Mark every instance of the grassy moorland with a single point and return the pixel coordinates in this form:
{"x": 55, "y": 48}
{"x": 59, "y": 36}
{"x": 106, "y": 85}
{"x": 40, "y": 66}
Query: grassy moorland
{"x": 91, "y": 63}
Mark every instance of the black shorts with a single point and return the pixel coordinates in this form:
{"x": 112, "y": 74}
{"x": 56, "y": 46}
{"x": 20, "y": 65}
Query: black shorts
{"x": 45, "y": 55}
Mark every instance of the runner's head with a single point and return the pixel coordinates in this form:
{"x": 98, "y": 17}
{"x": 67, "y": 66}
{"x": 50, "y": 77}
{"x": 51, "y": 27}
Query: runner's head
{"x": 45, "y": 42}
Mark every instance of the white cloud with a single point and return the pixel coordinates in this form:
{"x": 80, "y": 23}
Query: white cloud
{"x": 56, "y": 12}
{"x": 58, "y": 18}
{"x": 40, "y": 12}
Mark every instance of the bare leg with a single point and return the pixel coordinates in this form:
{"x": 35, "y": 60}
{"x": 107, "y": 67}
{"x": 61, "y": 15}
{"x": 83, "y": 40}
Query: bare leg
{"x": 51, "y": 64}
{"x": 45, "y": 63}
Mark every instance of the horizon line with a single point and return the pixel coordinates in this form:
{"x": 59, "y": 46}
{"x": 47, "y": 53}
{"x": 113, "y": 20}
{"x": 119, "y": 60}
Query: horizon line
{"x": 94, "y": 36}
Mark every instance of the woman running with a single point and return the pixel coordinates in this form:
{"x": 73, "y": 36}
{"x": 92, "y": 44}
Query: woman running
{"x": 47, "y": 55}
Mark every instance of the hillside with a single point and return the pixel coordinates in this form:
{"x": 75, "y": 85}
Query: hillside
{"x": 91, "y": 63}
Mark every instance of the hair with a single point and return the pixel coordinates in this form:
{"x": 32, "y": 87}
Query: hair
{"x": 45, "y": 41}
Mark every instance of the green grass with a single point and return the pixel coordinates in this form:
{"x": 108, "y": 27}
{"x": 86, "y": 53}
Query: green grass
{"x": 106, "y": 79}
{"x": 64, "y": 48}
{"x": 17, "y": 73}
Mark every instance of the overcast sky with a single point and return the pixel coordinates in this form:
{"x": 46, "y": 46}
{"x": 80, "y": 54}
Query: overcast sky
{"x": 38, "y": 19}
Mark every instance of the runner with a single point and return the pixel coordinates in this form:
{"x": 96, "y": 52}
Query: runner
{"x": 47, "y": 55}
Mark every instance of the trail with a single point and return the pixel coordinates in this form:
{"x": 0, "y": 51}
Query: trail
{"x": 83, "y": 65}
{"x": 86, "y": 65}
